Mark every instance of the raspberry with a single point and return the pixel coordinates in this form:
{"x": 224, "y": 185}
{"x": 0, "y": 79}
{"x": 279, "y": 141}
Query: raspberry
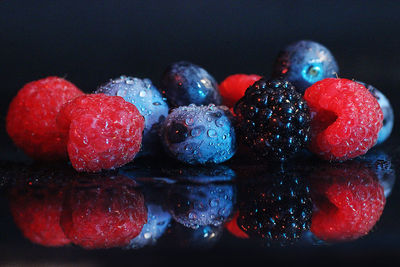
{"x": 387, "y": 110}
{"x": 349, "y": 201}
{"x": 105, "y": 132}
{"x": 31, "y": 119}
{"x": 346, "y": 119}
{"x": 273, "y": 119}
{"x": 234, "y": 87}
{"x": 36, "y": 206}
{"x": 150, "y": 103}
{"x": 103, "y": 212}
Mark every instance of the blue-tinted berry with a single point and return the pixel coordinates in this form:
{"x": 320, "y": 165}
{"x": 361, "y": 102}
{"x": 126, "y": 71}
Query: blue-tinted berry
{"x": 388, "y": 114}
{"x": 303, "y": 63}
{"x": 199, "y": 134}
{"x": 184, "y": 83}
{"x": 148, "y": 100}
{"x": 200, "y": 205}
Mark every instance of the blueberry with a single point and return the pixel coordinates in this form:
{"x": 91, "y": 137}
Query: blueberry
{"x": 199, "y": 134}
{"x": 184, "y": 83}
{"x": 388, "y": 114}
{"x": 148, "y": 100}
{"x": 303, "y": 63}
{"x": 201, "y": 205}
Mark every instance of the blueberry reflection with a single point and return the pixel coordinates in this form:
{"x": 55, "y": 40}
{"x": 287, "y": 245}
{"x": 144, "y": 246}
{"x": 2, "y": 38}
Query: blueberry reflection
{"x": 157, "y": 223}
{"x": 277, "y": 209}
{"x": 195, "y": 205}
{"x": 348, "y": 200}
{"x": 202, "y": 196}
{"x": 158, "y": 218}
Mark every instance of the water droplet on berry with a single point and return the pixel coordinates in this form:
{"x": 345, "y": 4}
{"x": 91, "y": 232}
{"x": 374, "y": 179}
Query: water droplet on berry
{"x": 219, "y": 122}
{"x": 212, "y": 133}
{"x": 214, "y": 203}
{"x": 197, "y": 131}
{"x": 142, "y": 93}
{"x": 128, "y": 81}
{"x": 189, "y": 121}
{"x": 121, "y": 93}
{"x": 147, "y": 235}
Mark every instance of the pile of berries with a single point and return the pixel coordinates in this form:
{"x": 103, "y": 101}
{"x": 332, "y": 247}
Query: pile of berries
{"x": 301, "y": 106}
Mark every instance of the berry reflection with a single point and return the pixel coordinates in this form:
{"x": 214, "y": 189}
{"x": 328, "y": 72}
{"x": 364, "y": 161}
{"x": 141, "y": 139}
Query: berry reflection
{"x": 201, "y": 205}
{"x": 36, "y": 204}
{"x": 348, "y": 200}
{"x": 276, "y": 209}
{"x": 191, "y": 206}
{"x": 103, "y": 212}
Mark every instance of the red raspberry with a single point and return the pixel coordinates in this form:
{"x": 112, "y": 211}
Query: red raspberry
{"x": 105, "y": 132}
{"x": 36, "y": 211}
{"x": 31, "y": 119}
{"x": 346, "y": 118}
{"x": 234, "y": 87}
{"x": 103, "y": 212}
{"x": 349, "y": 201}
{"x": 233, "y": 227}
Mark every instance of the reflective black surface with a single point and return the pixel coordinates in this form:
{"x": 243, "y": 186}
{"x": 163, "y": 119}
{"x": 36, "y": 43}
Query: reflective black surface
{"x": 51, "y": 213}
{"x": 90, "y": 43}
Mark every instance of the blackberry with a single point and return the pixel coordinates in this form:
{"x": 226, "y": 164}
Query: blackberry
{"x": 273, "y": 119}
{"x": 276, "y": 210}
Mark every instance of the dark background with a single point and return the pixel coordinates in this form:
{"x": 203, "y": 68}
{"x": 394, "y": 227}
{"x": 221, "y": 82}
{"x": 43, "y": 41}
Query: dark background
{"x": 89, "y": 42}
